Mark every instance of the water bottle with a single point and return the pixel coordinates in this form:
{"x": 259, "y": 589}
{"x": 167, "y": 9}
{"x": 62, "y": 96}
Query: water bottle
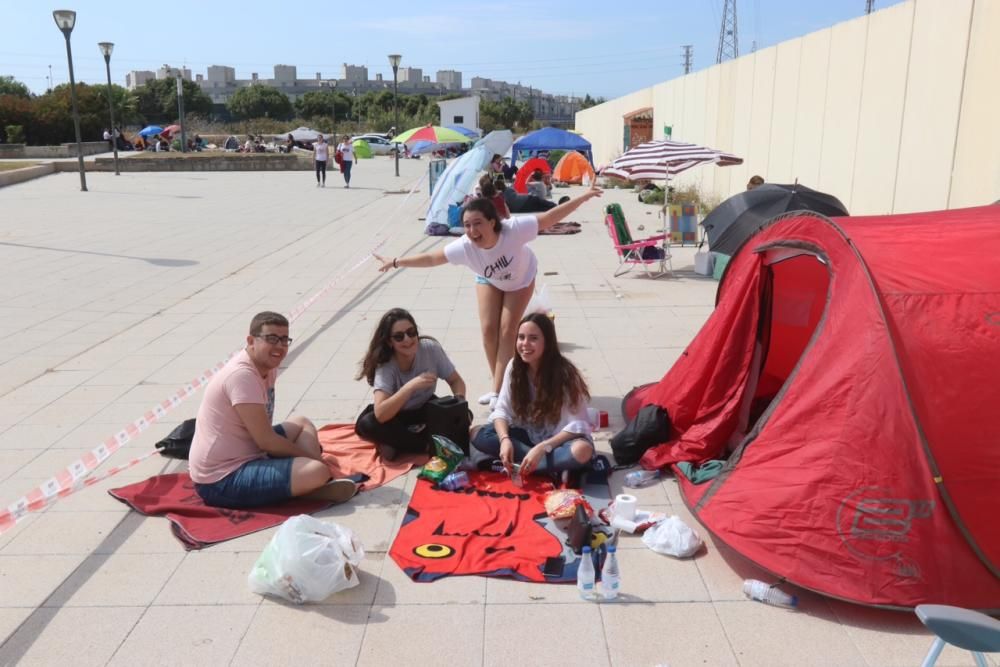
{"x": 639, "y": 478}
{"x": 611, "y": 578}
{"x": 585, "y": 575}
{"x": 762, "y": 592}
{"x": 454, "y": 481}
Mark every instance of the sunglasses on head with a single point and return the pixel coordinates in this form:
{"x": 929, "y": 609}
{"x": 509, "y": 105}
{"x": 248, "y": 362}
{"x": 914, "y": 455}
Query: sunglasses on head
{"x": 400, "y": 335}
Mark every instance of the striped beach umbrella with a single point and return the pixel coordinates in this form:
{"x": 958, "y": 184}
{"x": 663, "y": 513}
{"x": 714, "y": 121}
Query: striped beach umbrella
{"x": 661, "y": 160}
{"x": 432, "y": 133}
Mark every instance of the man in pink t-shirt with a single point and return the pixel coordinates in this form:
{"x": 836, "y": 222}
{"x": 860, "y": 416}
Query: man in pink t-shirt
{"x": 238, "y": 459}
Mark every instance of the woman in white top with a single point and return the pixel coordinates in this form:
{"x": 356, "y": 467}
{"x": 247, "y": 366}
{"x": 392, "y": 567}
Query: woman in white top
{"x": 505, "y": 271}
{"x": 540, "y": 418}
{"x": 346, "y": 149}
{"x": 321, "y": 153}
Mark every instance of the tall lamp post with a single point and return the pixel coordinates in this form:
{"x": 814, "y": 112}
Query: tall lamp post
{"x": 106, "y": 49}
{"x": 394, "y": 61}
{"x": 65, "y": 20}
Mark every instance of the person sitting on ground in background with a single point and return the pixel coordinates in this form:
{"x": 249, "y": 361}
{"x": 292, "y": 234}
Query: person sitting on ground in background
{"x": 540, "y": 419}
{"x": 547, "y": 180}
{"x": 163, "y": 145}
{"x": 238, "y": 459}
{"x": 289, "y": 143}
{"x": 403, "y": 368}
{"x": 754, "y": 182}
{"x": 496, "y": 166}
{"x": 505, "y": 268}
{"x": 509, "y": 170}
{"x": 488, "y": 189}
{"x": 518, "y": 203}
{"x": 248, "y": 144}
{"x": 536, "y": 186}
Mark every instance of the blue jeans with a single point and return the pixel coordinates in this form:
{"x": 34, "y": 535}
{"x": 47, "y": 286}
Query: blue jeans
{"x": 347, "y": 170}
{"x": 266, "y": 481}
{"x": 560, "y": 459}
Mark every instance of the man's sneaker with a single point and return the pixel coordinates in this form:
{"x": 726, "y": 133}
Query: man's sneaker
{"x": 485, "y": 399}
{"x": 336, "y": 490}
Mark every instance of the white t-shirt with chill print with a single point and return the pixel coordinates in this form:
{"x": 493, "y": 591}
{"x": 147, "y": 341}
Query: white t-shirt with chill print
{"x": 509, "y": 265}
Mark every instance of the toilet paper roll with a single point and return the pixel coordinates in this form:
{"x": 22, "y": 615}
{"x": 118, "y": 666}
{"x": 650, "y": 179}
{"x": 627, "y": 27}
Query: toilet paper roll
{"x": 625, "y": 506}
{"x": 619, "y": 523}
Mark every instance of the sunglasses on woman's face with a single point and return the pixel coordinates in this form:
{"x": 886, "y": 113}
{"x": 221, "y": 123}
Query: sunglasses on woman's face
{"x": 400, "y": 335}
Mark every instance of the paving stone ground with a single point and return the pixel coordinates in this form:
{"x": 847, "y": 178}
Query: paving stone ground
{"x": 113, "y": 299}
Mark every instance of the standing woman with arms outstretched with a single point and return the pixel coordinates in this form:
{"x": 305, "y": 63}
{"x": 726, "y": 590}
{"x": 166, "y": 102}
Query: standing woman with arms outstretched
{"x": 505, "y": 269}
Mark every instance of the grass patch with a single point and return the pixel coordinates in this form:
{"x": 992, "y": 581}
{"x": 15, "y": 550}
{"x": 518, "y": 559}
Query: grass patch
{"x": 11, "y": 166}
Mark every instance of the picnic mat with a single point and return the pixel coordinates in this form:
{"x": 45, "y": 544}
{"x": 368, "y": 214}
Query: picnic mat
{"x": 492, "y": 528}
{"x": 561, "y": 228}
{"x": 197, "y": 525}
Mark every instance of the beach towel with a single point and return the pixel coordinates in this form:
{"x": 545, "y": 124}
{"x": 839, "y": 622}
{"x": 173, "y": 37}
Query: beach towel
{"x": 493, "y": 528}
{"x": 561, "y": 228}
{"x": 197, "y": 525}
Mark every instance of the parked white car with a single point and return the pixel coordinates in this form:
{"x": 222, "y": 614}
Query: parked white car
{"x": 379, "y": 144}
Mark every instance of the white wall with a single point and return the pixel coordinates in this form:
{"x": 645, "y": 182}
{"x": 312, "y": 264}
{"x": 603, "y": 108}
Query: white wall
{"x": 896, "y": 111}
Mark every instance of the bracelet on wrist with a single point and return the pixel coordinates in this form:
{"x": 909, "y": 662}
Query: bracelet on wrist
{"x": 395, "y": 262}
{"x": 505, "y": 437}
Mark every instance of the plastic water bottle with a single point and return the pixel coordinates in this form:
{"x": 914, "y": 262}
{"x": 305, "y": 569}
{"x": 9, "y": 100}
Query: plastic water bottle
{"x": 640, "y": 478}
{"x": 611, "y": 578}
{"x": 762, "y": 592}
{"x": 456, "y": 480}
{"x": 585, "y": 575}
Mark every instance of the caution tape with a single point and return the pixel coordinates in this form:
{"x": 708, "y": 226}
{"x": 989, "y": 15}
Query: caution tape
{"x": 77, "y": 475}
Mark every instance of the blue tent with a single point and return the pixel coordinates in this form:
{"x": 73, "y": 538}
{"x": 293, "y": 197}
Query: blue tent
{"x": 551, "y": 139}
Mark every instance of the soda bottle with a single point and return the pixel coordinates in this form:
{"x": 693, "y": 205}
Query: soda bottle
{"x": 611, "y": 579}
{"x": 762, "y": 592}
{"x": 640, "y": 478}
{"x": 585, "y": 575}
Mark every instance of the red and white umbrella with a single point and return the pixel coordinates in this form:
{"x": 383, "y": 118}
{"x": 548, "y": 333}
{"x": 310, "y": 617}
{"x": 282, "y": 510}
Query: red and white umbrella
{"x": 661, "y": 160}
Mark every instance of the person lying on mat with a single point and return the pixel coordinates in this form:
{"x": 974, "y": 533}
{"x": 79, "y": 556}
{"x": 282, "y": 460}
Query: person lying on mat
{"x": 238, "y": 459}
{"x": 403, "y": 367}
{"x": 505, "y": 268}
{"x": 540, "y": 419}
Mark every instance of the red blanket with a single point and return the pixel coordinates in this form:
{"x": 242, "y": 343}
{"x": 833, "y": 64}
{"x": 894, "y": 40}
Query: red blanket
{"x": 197, "y": 525}
{"x": 491, "y": 528}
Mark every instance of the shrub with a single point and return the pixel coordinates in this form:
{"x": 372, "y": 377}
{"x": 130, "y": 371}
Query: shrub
{"x": 15, "y": 134}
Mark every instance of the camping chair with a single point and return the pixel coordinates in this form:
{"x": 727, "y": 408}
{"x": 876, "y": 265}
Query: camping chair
{"x": 632, "y": 253}
{"x": 975, "y": 632}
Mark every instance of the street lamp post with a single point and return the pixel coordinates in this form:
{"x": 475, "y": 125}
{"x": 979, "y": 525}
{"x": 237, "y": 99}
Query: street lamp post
{"x": 106, "y": 49}
{"x": 394, "y": 61}
{"x": 65, "y": 19}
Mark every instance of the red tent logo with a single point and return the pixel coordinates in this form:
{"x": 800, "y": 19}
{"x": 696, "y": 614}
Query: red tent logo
{"x": 875, "y": 525}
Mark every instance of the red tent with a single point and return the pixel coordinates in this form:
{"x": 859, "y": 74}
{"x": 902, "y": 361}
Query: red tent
{"x": 527, "y": 169}
{"x": 850, "y": 375}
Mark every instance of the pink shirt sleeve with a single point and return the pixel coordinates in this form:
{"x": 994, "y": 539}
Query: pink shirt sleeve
{"x": 242, "y": 387}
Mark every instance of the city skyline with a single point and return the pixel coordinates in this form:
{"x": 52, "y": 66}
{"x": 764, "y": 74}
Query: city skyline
{"x": 554, "y": 47}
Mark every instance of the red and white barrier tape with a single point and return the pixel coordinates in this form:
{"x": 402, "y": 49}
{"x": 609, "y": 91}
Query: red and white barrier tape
{"x": 76, "y": 475}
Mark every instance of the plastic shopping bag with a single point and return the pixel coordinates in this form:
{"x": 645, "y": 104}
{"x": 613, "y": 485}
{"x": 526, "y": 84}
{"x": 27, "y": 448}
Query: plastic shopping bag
{"x": 672, "y": 537}
{"x": 541, "y": 303}
{"x": 307, "y": 560}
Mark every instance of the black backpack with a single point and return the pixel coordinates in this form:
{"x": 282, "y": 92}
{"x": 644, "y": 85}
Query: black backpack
{"x": 651, "y": 426}
{"x": 177, "y": 445}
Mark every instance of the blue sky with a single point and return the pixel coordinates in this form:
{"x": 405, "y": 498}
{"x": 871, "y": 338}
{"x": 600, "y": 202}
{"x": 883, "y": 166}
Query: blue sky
{"x": 559, "y": 46}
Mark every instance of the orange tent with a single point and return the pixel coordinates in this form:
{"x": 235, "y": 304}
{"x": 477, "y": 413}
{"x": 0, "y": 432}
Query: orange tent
{"x": 571, "y": 169}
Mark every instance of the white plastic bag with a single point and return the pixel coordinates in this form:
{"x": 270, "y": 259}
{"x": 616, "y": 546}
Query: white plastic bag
{"x": 307, "y": 560}
{"x": 672, "y": 537}
{"x": 540, "y": 302}
{"x": 704, "y": 263}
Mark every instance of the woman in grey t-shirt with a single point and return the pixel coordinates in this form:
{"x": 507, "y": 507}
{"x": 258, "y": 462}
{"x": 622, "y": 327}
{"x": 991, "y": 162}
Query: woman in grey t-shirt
{"x": 403, "y": 368}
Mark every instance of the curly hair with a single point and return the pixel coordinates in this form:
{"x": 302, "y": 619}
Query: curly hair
{"x": 380, "y": 349}
{"x": 559, "y": 381}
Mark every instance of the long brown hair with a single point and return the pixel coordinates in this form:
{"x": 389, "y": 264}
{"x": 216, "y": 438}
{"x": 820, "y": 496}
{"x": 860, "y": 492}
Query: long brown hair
{"x": 380, "y": 348}
{"x": 559, "y": 381}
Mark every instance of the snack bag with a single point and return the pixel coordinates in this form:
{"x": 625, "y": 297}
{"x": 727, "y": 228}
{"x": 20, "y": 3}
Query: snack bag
{"x": 448, "y": 456}
{"x": 561, "y": 504}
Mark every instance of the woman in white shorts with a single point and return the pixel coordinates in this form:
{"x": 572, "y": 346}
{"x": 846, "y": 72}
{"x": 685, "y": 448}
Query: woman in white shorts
{"x": 505, "y": 268}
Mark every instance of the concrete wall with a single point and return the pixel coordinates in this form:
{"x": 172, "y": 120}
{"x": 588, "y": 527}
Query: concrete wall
{"x": 18, "y": 151}
{"x": 891, "y": 112}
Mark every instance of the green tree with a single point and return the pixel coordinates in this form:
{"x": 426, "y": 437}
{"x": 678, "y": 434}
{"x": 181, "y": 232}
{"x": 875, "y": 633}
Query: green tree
{"x": 505, "y": 114}
{"x": 11, "y": 86}
{"x": 259, "y": 102}
{"x": 15, "y": 110}
{"x": 156, "y": 101}
{"x": 589, "y": 101}
{"x": 317, "y": 104}
{"x": 54, "y": 115}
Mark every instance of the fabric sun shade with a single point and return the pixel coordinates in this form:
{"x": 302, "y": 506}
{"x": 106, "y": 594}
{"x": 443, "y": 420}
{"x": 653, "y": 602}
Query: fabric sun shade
{"x": 661, "y": 160}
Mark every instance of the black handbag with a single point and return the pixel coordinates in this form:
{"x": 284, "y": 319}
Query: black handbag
{"x": 449, "y": 416}
{"x": 177, "y": 445}
{"x": 650, "y": 427}
{"x": 579, "y": 531}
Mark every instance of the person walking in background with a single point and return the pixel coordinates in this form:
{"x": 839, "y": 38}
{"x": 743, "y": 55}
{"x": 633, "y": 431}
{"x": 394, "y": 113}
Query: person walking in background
{"x": 321, "y": 154}
{"x": 346, "y": 150}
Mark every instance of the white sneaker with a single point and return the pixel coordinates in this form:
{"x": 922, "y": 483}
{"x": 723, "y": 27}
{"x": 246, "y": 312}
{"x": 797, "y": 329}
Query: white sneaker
{"x": 493, "y": 403}
{"x": 485, "y": 399}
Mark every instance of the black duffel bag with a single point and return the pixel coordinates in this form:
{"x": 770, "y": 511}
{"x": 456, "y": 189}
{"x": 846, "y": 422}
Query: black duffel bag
{"x": 449, "y": 416}
{"x": 177, "y": 445}
{"x": 650, "y": 427}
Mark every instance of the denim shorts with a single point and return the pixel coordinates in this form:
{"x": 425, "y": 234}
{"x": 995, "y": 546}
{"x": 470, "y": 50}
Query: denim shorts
{"x": 264, "y": 481}
{"x": 482, "y": 281}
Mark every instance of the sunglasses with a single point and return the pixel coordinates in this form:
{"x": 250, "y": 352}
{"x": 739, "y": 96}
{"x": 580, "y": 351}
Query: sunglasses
{"x": 400, "y": 335}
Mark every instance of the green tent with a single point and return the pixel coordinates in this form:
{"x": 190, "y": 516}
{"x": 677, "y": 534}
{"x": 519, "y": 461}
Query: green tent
{"x": 361, "y": 149}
